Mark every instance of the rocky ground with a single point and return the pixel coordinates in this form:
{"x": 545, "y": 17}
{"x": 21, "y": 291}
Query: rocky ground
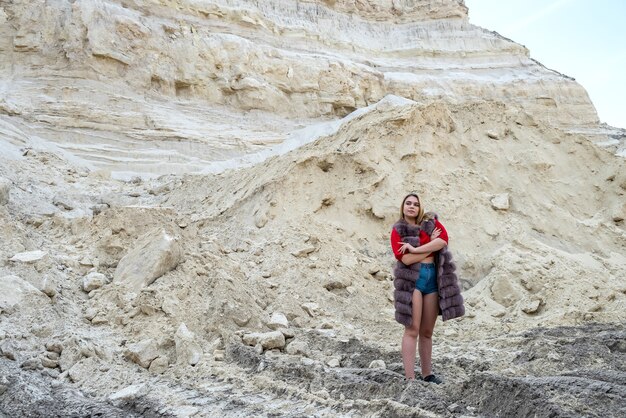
{"x": 196, "y": 200}
{"x": 262, "y": 291}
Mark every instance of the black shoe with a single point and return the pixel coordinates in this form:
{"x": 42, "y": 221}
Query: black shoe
{"x": 431, "y": 378}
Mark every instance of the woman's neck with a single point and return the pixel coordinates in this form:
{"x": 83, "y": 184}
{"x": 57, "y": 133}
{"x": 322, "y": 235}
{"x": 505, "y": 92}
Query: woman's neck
{"x": 410, "y": 221}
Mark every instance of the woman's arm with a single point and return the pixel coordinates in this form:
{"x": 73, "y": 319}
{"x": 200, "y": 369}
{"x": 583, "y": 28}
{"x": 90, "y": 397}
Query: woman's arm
{"x": 409, "y": 259}
{"x": 435, "y": 245}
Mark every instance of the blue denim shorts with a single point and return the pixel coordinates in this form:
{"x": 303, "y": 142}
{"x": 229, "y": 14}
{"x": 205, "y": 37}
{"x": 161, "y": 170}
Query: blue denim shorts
{"x": 427, "y": 282}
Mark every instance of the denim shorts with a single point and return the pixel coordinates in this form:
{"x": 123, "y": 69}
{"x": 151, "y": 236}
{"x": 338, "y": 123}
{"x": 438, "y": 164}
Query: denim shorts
{"x": 427, "y": 282}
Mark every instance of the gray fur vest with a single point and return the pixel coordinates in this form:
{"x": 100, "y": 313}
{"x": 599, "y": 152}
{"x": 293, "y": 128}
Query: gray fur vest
{"x": 450, "y": 299}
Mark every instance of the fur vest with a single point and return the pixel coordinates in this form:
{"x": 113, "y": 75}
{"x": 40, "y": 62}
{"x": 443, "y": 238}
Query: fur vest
{"x": 450, "y": 299}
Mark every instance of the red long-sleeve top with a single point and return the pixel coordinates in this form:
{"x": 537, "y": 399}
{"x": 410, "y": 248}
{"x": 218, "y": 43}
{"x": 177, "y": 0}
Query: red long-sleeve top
{"x": 424, "y": 239}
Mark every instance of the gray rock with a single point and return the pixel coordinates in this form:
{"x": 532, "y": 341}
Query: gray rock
{"x": 47, "y": 288}
{"x": 29, "y": 257}
{"x": 142, "y": 352}
{"x": 334, "y": 362}
{"x": 298, "y": 348}
{"x": 49, "y": 363}
{"x": 377, "y": 364}
{"x": 154, "y": 254}
{"x": 159, "y": 365}
{"x": 188, "y": 351}
{"x": 531, "y": 306}
{"x": 93, "y": 281}
{"x": 493, "y": 134}
{"x": 267, "y": 340}
{"x": 278, "y": 320}
{"x": 55, "y": 347}
{"x": 311, "y": 308}
{"x": 129, "y": 393}
{"x": 500, "y": 202}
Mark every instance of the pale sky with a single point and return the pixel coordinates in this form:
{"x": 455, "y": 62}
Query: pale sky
{"x": 583, "y": 39}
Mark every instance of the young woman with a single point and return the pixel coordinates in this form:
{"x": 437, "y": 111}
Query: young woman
{"x": 425, "y": 283}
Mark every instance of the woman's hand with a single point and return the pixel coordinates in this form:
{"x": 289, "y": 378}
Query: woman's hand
{"x": 435, "y": 233}
{"x": 407, "y": 247}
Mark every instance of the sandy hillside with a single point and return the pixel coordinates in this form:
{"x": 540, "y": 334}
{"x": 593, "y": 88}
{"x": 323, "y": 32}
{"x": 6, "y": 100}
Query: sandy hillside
{"x": 185, "y": 242}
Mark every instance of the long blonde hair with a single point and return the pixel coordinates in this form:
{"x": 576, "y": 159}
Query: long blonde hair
{"x": 420, "y": 213}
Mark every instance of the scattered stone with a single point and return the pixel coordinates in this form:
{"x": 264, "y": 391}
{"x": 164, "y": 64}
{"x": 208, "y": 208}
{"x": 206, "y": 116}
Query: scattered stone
{"x": 188, "y": 351}
{"x": 298, "y": 348}
{"x": 218, "y": 355}
{"x": 498, "y": 313}
{"x": 93, "y": 281}
{"x": 170, "y": 305}
{"x": 62, "y": 203}
{"x": 163, "y": 188}
{"x": 47, "y": 288}
{"x": 326, "y": 325}
{"x": 142, "y": 352}
{"x": 154, "y": 254}
{"x": 55, "y": 347}
{"x": 267, "y": 340}
{"x": 241, "y": 318}
{"x": 287, "y": 332}
{"x": 159, "y": 365}
{"x": 86, "y": 261}
{"x": 311, "y": 308}
{"x": 90, "y": 313}
{"x": 455, "y": 408}
{"x": 493, "y": 134}
{"x": 260, "y": 219}
{"x": 531, "y": 306}
{"x": 99, "y": 319}
{"x": 46, "y": 362}
{"x": 336, "y": 283}
{"x": 5, "y": 190}
{"x": 31, "y": 364}
{"x": 334, "y": 362}
{"x": 377, "y": 364}
{"x": 278, "y": 320}
{"x": 303, "y": 252}
{"x": 29, "y": 257}
{"x": 129, "y": 393}
{"x": 53, "y": 373}
{"x": 500, "y": 202}
{"x": 373, "y": 269}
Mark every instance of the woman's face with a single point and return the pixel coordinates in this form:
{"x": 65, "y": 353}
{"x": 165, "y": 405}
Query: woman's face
{"x": 411, "y": 207}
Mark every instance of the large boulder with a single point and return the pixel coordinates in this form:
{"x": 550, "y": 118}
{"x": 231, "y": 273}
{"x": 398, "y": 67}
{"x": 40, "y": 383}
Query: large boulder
{"x": 155, "y": 254}
{"x": 15, "y": 291}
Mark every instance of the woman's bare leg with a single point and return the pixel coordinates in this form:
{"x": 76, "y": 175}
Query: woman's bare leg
{"x": 409, "y": 339}
{"x": 429, "y": 317}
